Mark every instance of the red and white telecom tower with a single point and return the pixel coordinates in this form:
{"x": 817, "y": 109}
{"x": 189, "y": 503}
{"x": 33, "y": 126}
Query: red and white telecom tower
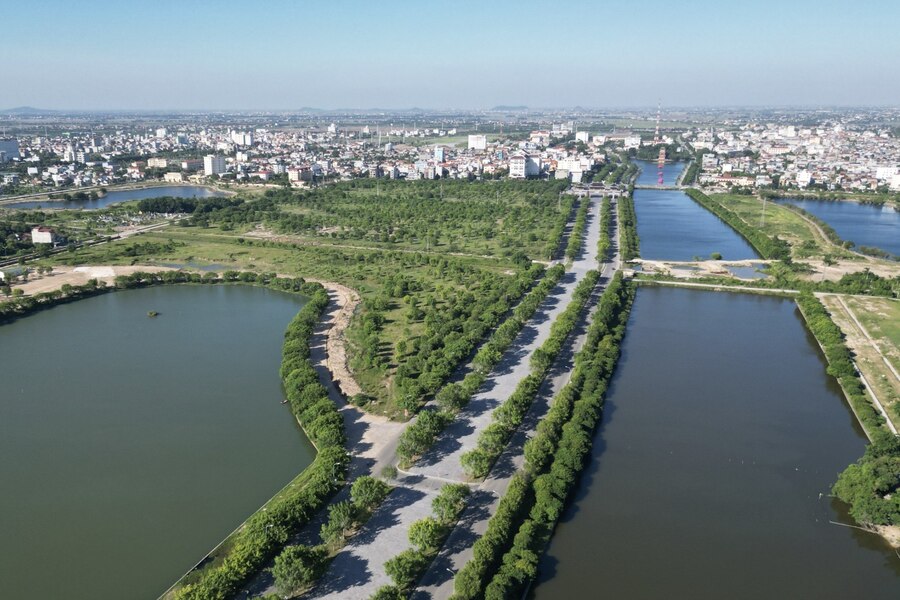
{"x": 661, "y": 161}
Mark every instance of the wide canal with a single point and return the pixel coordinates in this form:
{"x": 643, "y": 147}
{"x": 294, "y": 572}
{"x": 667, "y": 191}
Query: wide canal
{"x": 711, "y": 470}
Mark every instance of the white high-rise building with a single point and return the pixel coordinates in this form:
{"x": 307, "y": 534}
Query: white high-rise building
{"x": 242, "y": 139}
{"x": 213, "y": 164}
{"x": 582, "y": 136}
{"x": 477, "y": 142}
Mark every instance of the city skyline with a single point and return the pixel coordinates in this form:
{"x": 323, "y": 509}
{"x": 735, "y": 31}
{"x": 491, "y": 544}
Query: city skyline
{"x": 400, "y": 55}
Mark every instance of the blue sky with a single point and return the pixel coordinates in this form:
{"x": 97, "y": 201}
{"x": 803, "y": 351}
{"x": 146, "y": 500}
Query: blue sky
{"x": 165, "y": 54}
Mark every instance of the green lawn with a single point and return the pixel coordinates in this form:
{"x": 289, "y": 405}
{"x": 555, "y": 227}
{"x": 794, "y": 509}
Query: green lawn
{"x": 774, "y": 219}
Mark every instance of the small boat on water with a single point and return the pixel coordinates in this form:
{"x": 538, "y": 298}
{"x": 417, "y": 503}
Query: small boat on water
{"x": 152, "y": 313}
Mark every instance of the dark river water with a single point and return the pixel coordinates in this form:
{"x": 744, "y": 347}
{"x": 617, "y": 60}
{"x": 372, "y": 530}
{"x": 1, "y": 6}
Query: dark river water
{"x": 671, "y": 226}
{"x": 649, "y": 174}
{"x": 721, "y": 438}
{"x": 864, "y": 224}
{"x": 178, "y": 191}
{"x": 129, "y": 445}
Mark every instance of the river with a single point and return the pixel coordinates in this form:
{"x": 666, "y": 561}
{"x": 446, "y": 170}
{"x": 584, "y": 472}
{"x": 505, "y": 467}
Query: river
{"x": 671, "y": 226}
{"x": 720, "y": 440}
{"x": 116, "y": 196}
{"x": 649, "y": 174}
{"x": 863, "y": 224}
{"x": 129, "y": 445}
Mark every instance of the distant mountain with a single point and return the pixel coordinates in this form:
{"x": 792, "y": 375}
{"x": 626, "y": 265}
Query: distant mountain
{"x": 28, "y": 111}
{"x": 504, "y": 107}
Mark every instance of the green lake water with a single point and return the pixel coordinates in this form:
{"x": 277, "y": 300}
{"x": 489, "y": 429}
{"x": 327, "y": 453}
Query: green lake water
{"x": 129, "y": 445}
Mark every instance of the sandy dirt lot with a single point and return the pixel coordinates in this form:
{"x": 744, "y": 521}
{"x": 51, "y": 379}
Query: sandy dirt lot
{"x": 78, "y": 276}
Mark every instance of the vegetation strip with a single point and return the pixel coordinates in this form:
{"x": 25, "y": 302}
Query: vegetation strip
{"x": 505, "y": 559}
{"x": 769, "y": 248}
{"x": 509, "y": 415}
{"x": 421, "y": 434}
{"x": 575, "y": 238}
{"x": 426, "y": 536}
{"x": 299, "y": 566}
{"x": 782, "y": 276}
{"x": 628, "y": 228}
{"x": 870, "y": 486}
{"x": 604, "y": 244}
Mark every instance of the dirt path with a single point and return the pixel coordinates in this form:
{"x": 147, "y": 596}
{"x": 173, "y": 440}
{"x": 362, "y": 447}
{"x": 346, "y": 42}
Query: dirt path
{"x": 336, "y": 345}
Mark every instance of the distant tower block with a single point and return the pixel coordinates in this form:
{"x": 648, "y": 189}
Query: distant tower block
{"x": 660, "y": 163}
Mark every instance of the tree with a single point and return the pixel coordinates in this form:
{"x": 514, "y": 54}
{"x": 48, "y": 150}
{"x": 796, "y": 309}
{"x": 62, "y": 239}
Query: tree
{"x": 426, "y": 534}
{"x": 340, "y": 519}
{"x": 449, "y": 502}
{"x": 405, "y": 568}
{"x": 297, "y": 567}
{"x": 451, "y": 398}
{"x": 388, "y": 592}
{"x": 367, "y": 492}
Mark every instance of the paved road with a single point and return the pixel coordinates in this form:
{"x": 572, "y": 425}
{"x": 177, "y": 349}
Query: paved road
{"x": 438, "y": 580}
{"x": 358, "y": 570}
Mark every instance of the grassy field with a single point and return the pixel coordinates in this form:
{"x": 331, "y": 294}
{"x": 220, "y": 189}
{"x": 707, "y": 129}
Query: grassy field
{"x": 417, "y": 306}
{"x": 490, "y": 218}
{"x": 880, "y": 318}
{"x": 805, "y": 240}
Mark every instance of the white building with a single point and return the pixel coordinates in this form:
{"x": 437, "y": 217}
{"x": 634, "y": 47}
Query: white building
{"x": 173, "y": 177}
{"x": 885, "y": 173}
{"x": 43, "y": 235}
{"x": 440, "y": 154}
{"x": 239, "y": 138}
{"x": 523, "y": 166}
{"x": 477, "y": 142}
{"x": 582, "y": 136}
{"x": 895, "y": 183}
{"x": 213, "y": 164}
{"x": 157, "y": 163}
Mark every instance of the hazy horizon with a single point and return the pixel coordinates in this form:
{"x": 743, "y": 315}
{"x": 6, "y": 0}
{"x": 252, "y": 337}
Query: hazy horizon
{"x": 171, "y": 56}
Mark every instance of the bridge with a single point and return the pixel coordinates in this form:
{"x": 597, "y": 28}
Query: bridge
{"x": 596, "y": 190}
{"x": 645, "y": 186}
